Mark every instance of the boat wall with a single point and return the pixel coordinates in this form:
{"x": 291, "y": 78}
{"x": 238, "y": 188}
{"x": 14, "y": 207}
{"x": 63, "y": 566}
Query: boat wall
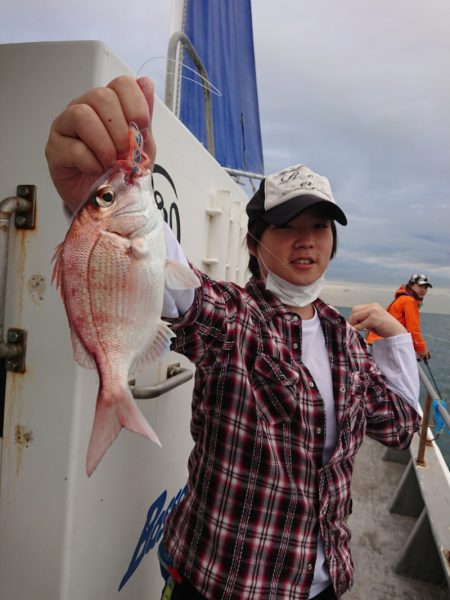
{"x": 63, "y": 535}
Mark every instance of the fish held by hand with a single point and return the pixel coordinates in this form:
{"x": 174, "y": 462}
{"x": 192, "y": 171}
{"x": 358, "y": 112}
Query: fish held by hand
{"x": 111, "y": 270}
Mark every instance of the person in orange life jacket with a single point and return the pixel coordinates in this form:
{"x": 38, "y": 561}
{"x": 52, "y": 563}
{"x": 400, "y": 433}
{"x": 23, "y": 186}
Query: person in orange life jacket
{"x": 285, "y": 388}
{"x": 405, "y": 308}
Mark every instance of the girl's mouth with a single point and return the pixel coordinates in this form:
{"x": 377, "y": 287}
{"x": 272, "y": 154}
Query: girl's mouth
{"x": 303, "y": 261}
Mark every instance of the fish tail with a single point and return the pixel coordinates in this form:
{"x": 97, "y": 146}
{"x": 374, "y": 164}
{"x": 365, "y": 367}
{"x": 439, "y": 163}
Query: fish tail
{"x": 109, "y": 419}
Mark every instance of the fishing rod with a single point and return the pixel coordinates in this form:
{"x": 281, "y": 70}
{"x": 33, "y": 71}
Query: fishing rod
{"x": 425, "y": 360}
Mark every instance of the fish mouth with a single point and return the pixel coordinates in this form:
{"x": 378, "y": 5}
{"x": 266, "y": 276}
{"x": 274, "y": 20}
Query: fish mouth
{"x": 131, "y": 210}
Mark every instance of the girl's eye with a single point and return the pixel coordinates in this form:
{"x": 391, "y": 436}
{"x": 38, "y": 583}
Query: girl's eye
{"x": 104, "y": 196}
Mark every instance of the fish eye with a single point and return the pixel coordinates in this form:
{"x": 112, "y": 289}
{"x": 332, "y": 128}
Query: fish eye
{"x": 104, "y": 196}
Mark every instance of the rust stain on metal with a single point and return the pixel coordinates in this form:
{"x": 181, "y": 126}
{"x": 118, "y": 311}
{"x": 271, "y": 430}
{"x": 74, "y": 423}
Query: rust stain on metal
{"x": 14, "y": 391}
{"x": 13, "y": 412}
{"x": 23, "y": 438}
{"x": 20, "y": 270}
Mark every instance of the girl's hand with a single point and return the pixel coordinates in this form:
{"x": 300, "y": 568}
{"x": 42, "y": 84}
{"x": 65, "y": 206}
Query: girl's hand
{"x": 376, "y": 318}
{"x": 92, "y": 132}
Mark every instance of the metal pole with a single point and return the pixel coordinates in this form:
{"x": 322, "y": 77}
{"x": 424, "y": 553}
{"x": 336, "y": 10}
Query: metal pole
{"x": 247, "y": 174}
{"x": 8, "y": 206}
{"x": 424, "y": 431}
{"x": 180, "y": 38}
{"x": 23, "y": 205}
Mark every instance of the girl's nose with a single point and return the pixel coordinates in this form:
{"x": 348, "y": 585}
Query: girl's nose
{"x": 303, "y": 240}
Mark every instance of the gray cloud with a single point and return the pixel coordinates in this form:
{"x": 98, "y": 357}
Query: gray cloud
{"x": 357, "y": 89}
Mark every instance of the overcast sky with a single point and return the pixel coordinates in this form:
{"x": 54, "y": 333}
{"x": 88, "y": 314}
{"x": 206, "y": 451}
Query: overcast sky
{"x": 359, "y": 90}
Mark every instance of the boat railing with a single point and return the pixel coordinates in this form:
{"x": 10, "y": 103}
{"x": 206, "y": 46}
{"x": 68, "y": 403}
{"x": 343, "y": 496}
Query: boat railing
{"x": 178, "y": 42}
{"x": 424, "y": 494}
{"x": 431, "y": 396}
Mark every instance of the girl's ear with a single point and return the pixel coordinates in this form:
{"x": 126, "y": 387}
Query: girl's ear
{"x": 251, "y": 249}
{"x": 251, "y": 245}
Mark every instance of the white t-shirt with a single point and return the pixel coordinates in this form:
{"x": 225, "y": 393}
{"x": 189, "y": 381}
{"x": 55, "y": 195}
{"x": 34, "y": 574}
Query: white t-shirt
{"x": 395, "y": 358}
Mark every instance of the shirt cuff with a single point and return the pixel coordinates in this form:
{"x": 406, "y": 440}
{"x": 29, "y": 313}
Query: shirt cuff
{"x": 396, "y": 359}
{"x": 176, "y": 302}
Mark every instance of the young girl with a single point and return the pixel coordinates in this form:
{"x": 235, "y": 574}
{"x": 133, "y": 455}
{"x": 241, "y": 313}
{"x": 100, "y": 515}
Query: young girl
{"x": 285, "y": 389}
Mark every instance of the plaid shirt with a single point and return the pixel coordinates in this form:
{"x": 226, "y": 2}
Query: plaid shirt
{"x": 258, "y": 491}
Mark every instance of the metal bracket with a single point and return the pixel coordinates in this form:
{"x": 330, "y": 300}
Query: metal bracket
{"x": 25, "y": 219}
{"x": 17, "y": 346}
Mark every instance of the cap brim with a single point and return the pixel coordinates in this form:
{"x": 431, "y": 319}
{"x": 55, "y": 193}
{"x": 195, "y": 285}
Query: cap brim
{"x": 285, "y": 212}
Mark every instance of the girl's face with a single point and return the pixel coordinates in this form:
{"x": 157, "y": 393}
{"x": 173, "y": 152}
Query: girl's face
{"x": 300, "y": 251}
{"x": 421, "y": 290}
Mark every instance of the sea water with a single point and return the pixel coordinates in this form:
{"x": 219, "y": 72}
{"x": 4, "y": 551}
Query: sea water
{"x": 436, "y": 333}
{"x": 435, "y": 330}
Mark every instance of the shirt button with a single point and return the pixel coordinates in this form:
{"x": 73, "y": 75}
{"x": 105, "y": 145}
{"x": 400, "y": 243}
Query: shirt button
{"x": 295, "y": 345}
{"x": 310, "y": 567}
{"x": 342, "y": 388}
{"x": 311, "y": 384}
{"x": 295, "y": 318}
{"x": 319, "y": 430}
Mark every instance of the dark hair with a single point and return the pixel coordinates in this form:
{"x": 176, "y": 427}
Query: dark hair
{"x": 414, "y": 294}
{"x": 254, "y": 235}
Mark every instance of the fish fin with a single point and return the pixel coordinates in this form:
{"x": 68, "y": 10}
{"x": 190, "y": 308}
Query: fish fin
{"x": 158, "y": 348}
{"x": 57, "y": 275}
{"x": 179, "y": 276}
{"x": 109, "y": 420}
{"x": 80, "y": 354}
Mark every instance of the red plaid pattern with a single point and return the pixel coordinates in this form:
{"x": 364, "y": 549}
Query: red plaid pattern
{"x": 258, "y": 492}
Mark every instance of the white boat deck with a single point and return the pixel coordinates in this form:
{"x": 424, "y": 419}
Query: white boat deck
{"x": 378, "y": 535}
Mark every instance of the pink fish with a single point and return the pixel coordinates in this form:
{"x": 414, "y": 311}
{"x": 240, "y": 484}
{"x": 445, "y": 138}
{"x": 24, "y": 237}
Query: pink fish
{"x": 111, "y": 270}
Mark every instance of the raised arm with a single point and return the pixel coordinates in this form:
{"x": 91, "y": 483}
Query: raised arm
{"x": 92, "y": 132}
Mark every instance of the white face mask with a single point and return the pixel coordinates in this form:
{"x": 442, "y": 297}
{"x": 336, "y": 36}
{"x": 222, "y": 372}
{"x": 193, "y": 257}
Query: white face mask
{"x": 294, "y": 295}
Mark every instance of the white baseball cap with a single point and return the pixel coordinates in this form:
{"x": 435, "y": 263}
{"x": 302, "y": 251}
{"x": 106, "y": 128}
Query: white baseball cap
{"x": 283, "y": 195}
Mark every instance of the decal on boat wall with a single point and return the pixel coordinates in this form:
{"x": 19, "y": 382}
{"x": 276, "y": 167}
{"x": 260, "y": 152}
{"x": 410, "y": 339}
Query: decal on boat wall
{"x": 166, "y": 199}
{"x": 153, "y": 530}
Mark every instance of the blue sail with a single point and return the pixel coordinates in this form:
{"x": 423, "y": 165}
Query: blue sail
{"x": 222, "y": 35}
